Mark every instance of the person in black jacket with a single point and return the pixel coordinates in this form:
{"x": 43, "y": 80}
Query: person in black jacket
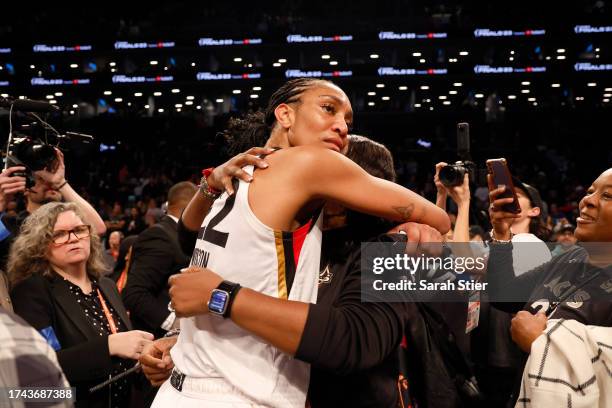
{"x": 55, "y": 266}
{"x": 156, "y": 255}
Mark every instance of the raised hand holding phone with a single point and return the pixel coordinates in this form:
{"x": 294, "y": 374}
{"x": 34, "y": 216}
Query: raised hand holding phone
{"x": 504, "y": 207}
{"x": 500, "y": 176}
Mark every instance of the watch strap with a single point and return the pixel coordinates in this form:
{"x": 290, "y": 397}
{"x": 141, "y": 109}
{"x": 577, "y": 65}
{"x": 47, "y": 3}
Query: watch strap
{"x": 232, "y": 289}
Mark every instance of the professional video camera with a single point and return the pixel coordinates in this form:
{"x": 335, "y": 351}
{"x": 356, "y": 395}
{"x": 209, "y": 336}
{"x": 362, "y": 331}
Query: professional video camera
{"x": 35, "y": 154}
{"x": 33, "y": 145}
{"x": 452, "y": 175}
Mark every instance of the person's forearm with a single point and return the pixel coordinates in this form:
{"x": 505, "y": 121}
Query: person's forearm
{"x": 196, "y": 210}
{"x": 441, "y": 200}
{"x": 87, "y": 361}
{"x": 277, "y": 321}
{"x": 461, "y": 233}
{"x": 500, "y": 271}
{"x": 90, "y": 213}
{"x": 508, "y": 292}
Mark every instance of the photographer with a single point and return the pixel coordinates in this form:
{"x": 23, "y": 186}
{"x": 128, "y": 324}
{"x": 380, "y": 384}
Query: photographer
{"x": 455, "y": 313}
{"x": 50, "y": 186}
{"x": 460, "y": 194}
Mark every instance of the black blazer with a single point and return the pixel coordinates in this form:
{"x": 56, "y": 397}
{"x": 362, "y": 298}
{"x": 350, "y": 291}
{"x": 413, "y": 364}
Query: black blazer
{"x": 156, "y": 255}
{"x": 84, "y": 356}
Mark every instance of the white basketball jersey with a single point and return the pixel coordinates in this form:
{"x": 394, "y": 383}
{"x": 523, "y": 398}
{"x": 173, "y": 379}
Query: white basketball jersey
{"x": 236, "y": 245}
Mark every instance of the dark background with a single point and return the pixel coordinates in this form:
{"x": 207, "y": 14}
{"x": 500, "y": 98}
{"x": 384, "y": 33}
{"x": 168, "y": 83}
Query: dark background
{"x": 559, "y": 143}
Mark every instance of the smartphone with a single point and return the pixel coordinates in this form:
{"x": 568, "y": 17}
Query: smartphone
{"x": 498, "y": 168}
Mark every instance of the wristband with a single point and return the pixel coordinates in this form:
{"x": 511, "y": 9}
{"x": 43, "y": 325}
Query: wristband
{"x": 173, "y": 332}
{"x": 206, "y": 190}
{"x": 501, "y": 241}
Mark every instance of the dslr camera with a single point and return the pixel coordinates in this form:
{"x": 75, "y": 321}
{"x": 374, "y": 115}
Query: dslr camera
{"x": 452, "y": 175}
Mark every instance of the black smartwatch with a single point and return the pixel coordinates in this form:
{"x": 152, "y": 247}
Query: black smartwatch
{"x": 221, "y": 299}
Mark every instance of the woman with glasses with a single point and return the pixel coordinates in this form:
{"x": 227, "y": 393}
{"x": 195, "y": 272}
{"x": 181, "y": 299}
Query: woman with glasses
{"x": 55, "y": 268}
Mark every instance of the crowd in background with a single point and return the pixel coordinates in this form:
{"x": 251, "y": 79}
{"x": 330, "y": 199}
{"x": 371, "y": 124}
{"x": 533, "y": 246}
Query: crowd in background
{"x": 134, "y": 194}
{"x": 122, "y": 219}
{"x": 131, "y": 200}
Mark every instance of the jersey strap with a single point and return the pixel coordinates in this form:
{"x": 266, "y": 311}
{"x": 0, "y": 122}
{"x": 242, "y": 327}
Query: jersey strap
{"x": 288, "y": 248}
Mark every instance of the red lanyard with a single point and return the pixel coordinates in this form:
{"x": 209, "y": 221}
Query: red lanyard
{"x": 107, "y": 313}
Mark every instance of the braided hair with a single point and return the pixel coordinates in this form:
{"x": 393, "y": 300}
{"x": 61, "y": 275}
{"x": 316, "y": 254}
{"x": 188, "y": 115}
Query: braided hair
{"x": 254, "y": 128}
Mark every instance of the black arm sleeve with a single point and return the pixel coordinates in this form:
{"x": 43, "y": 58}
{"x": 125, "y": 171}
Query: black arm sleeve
{"x": 508, "y": 292}
{"x": 187, "y": 238}
{"x": 95, "y": 352}
{"x": 152, "y": 263}
{"x": 349, "y": 335}
{"x": 86, "y": 361}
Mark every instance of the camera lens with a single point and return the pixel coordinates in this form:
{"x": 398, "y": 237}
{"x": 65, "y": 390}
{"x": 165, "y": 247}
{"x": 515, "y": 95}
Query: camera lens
{"x": 452, "y": 175}
{"x": 34, "y": 154}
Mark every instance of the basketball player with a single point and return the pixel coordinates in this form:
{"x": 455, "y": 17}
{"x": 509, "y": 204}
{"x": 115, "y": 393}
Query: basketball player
{"x": 267, "y": 235}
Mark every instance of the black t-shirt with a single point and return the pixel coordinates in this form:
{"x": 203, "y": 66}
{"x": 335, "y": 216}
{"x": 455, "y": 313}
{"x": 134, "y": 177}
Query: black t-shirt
{"x": 590, "y": 287}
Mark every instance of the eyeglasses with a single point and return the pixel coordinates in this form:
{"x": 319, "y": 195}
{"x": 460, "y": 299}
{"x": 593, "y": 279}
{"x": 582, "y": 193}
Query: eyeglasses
{"x": 61, "y": 237}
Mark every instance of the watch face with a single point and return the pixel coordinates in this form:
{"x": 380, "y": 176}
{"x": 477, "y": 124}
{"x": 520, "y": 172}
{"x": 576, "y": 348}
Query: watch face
{"x": 218, "y": 301}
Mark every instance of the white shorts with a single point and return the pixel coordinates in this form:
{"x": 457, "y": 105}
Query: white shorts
{"x": 202, "y": 393}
